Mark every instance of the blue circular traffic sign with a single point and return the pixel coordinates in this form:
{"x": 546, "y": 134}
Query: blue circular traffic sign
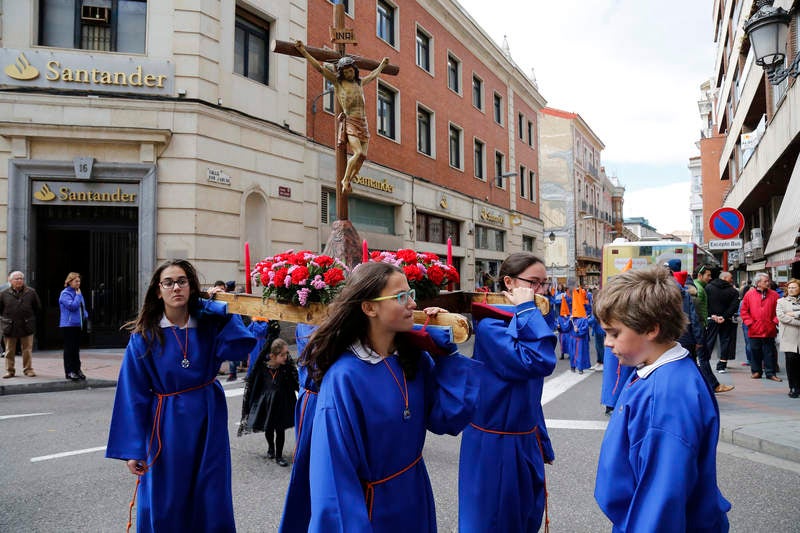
{"x": 726, "y": 223}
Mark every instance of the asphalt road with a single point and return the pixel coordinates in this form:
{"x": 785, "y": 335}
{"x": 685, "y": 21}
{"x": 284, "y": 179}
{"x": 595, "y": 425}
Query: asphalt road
{"x": 41, "y": 491}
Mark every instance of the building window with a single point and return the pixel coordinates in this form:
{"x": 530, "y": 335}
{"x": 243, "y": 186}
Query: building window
{"x": 521, "y": 126}
{"x": 365, "y": 214}
{"x": 532, "y": 195}
{"x": 327, "y": 99}
{"x": 424, "y": 131}
{"x": 479, "y": 156}
{"x": 453, "y": 73}
{"x": 498, "y": 109}
{"x": 489, "y": 238}
{"x": 455, "y": 147}
{"x": 530, "y": 133}
{"x": 386, "y": 13}
{"x": 523, "y": 177}
{"x": 432, "y": 228}
{"x": 499, "y": 165}
{"x": 387, "y": 107}
{"x": 109, "y": 25}
{"x": 251, "y": 47}
{"x": 527, "y": 243}
{"x": 423, "y": 50}
{"x": 346, "y": 5}
{"x": 477, "y": 92}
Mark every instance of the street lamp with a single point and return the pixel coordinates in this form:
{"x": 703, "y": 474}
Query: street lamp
{"x": 767, "y": 30}
{"x": 552, "y": 237}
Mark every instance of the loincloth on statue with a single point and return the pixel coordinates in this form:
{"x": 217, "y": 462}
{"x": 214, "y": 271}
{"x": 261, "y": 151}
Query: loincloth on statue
{"x": 352, "y": 126}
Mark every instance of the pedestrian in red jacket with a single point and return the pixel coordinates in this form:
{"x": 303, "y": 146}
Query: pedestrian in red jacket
{"x": 758, "y": 314}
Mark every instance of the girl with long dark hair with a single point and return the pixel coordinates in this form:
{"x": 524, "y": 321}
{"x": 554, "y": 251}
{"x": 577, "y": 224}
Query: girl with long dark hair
{"x": 378, "y": 396}
{"x": 170, "y": 418}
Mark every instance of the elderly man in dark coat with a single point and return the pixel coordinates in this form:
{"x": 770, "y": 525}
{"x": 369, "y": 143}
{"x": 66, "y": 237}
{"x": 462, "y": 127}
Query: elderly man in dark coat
{"x": 19, "y": 305}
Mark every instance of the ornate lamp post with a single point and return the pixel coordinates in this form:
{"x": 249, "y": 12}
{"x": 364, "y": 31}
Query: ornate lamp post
{"x": 767, "y": 30}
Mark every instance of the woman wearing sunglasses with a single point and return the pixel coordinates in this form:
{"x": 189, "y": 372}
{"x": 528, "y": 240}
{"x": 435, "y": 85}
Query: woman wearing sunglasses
{"x": 379, "y": 394}
{"x": 170, "y": 418}
{"x": 501, "y": 473}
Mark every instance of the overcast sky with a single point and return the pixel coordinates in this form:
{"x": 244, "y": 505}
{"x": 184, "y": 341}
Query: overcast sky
{"x": 632, "y": 69}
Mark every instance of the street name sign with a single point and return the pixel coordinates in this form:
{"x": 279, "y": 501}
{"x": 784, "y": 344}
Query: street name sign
{"x": 726, "y": 244}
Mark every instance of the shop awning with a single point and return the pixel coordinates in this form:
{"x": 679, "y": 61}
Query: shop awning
{"x": 755, "y": 267}
{"x": 786, "y": 257}
{"x": 781, "y": 245}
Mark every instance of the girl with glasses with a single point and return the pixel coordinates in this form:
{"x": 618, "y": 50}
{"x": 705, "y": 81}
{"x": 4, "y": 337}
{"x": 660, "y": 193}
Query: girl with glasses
{"x": 170, "y": 418}
{"x": 501, "y": 482}
{"x": 379, "y": 394}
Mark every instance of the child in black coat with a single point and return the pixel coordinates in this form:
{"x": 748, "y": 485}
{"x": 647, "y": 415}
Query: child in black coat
{"x": 269, "y": 398}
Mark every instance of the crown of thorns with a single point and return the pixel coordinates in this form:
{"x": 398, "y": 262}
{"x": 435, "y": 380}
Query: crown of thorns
{"x": 345, "y": 62}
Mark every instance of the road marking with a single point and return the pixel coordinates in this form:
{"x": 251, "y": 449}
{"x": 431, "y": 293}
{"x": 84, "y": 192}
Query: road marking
{"x": 230, "y": 393}
{"x": 6, "y": 417}
{"x": 558, "y": 385}
{"x": 67, "y": 454}
{"x": 576, "y": 424}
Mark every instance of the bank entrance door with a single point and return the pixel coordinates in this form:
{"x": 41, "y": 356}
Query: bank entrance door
{"x": 101, "y": 243}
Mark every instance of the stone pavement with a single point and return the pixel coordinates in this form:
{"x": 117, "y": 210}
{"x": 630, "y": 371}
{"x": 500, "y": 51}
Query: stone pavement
{"x": 757, "y": 414}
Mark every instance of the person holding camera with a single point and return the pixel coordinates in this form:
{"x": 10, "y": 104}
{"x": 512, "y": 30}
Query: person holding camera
{"x": 72, "y": 322}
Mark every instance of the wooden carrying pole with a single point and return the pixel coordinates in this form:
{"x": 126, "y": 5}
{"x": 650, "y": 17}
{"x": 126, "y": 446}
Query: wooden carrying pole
{"x": 314, "y": 313}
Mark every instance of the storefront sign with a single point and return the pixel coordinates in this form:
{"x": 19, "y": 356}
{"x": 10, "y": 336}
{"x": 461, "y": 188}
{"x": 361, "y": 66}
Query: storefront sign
{"x": 495, "y": 218}
{"x": 88, "y": 71}
{"x": 215, "y": 175}
{"x": 384, "y": 185}
{"x": 83, "y": 193}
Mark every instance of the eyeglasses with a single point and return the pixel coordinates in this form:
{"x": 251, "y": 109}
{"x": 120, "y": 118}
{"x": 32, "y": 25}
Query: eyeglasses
{"x": 402, "y": 297}
{"x": 535, "y": 283}
{"x": 168, "y": 283}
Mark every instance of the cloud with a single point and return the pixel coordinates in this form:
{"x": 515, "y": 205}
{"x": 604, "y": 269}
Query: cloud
{"x": 663, "y": 207}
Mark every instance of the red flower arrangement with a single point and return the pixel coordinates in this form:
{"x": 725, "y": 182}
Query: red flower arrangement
{"x": 426, "y": 273}
{"x": 300, "y": 277}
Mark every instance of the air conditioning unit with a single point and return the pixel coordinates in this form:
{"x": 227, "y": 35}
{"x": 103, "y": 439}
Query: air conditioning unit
{"x": 95, "y": 14}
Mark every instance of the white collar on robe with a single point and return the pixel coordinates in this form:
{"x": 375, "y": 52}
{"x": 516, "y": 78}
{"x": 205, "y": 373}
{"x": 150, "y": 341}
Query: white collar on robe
{"x": 675, "y": 353}
{"x": 165, "y": 323}
{"x": 366, "y": 354}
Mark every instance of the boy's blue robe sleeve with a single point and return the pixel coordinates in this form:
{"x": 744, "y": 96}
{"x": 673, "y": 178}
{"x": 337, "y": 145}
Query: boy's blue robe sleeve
{"x": 522, "y": 349}
{"x": 452, "y": 393}
{"x": 133, "y": 406}
{"x": 663, "y": 486}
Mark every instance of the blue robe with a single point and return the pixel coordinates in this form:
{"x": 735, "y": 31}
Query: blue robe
{"x": 259, "y": 329}
{"x": 501, "y": 476}
{"x": 297, "y": 506}
{"x": 614, "y": 378}
{"x": 564, "y": 326}
{"x": 657, "y": 466}
{"x": 360, "y": 436}
{"x": 188, "y": 488}
{"x": 580, "y": 358}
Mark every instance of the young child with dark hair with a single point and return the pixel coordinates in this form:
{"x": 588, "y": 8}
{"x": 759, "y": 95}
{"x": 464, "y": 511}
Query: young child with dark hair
{"x": 657, "y": 465}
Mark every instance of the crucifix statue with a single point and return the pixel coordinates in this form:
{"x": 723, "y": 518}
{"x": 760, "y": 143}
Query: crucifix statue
{"x": 352, "y": 129}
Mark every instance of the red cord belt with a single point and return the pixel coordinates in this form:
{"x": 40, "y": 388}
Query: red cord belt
{"x": 369, "y": 486}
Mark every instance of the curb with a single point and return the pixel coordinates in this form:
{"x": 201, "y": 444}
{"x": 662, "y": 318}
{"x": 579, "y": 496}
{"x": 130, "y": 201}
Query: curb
{"x": 739, "y": 436}
{"x": 55, "y": 386}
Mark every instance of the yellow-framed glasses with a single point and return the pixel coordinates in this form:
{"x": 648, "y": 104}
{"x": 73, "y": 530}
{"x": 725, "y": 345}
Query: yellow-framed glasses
{"x": 402, "y": 297}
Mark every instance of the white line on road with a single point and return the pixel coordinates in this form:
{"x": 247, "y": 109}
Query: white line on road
{"x": 558, "y": 385}
{"x": 67, "y": 454}
{"x": 6, "y": 417}
{"x": 576, "y": 424}
{"x": 230, "y": 393}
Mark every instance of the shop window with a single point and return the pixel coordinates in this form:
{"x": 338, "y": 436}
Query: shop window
{"x": 386, "y": 21}
{"x": 366, "y": 215}
{"x": 432, "y": 228}
{"x": 251, "y": 47}
{"x": 489, "y": 238}
{"x": 104, "y": 25}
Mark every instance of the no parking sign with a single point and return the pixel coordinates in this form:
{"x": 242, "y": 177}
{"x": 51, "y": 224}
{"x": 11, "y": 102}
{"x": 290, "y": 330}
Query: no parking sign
{"x": 726, "y": 223}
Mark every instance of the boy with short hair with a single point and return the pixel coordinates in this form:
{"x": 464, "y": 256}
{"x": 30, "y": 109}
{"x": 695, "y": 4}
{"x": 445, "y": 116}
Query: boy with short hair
{"x": 657, "y": 465}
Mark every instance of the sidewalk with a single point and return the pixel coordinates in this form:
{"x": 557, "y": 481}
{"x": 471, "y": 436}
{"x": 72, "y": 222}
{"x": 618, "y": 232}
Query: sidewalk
{"x": 757, "y": 414}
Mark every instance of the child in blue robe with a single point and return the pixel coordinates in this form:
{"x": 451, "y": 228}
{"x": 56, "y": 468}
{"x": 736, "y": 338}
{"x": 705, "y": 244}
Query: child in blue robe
{"x": 614, "y": 378}
{"x": 501, "y": 477}
{"x": 580, "y": 359}
{"x": 379, "y": 394}
{"x": 564, "y": 328}
{"x": 170, "y": 418}
{"x": 657, "y": 465}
